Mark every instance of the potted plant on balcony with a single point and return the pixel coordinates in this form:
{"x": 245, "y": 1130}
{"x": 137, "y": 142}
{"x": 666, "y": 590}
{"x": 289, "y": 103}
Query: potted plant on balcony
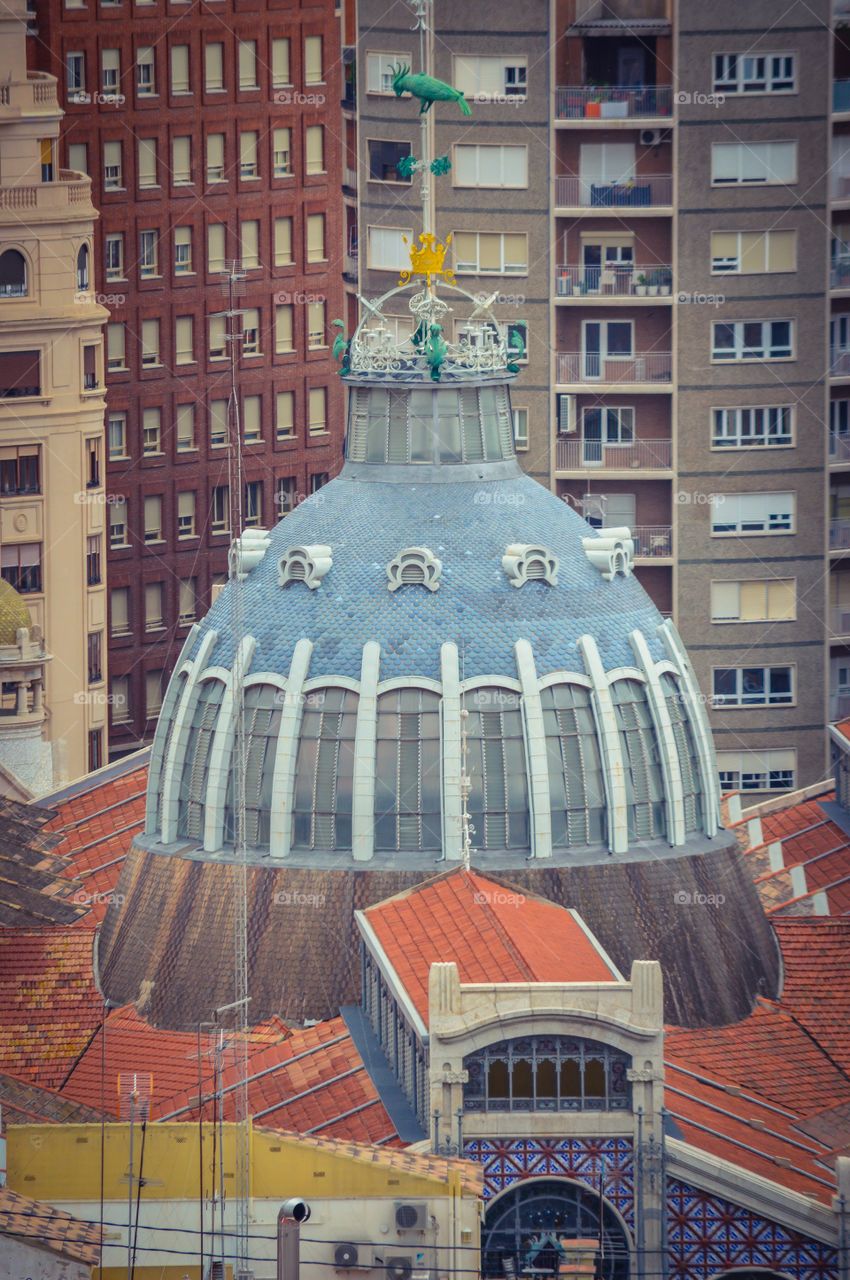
{"x": 652, "y": 284}
{"x": 665, "y": 281}
{"x": 593, "y": 106}
{"x": 640, "y": 286}
{"x": 612, "y": 107}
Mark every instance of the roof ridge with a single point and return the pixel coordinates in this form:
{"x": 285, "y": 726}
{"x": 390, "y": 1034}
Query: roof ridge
{"x": 522, "y": 963}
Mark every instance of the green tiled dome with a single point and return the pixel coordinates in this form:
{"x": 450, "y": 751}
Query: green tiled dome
{"x": 14, "y": 614}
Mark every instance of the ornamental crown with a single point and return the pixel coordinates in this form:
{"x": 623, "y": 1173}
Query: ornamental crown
{"x": 428, "y": 259}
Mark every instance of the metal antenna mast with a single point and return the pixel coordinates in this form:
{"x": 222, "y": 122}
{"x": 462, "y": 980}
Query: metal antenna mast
{"x": 421, "y": 10}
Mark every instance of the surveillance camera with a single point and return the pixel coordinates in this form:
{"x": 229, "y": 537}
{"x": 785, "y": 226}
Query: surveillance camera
{"x": 297, "y": 1210}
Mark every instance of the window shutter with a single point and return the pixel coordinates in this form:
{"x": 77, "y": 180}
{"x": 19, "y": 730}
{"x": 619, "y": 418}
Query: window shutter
{"x": 317, "y": 411}
{"x": 215, "y": 246}
{"x": 315, "y": 237}
{"x": 251, "y": 416}
{"x": 179, "y": 68}
{"x": 186, "y": 505}
{"x": 247, "y": 64}
{"x": 313, "y": 60}
{"x": 283, "y": 328}
{"x": 781, "y": 600}
{"x": 181, "y": 160}
{"x": 185, "y": 425}
{"x": 285, "y": 413}
{"x": 752, "y": 606}
{"x": 213, "y": 66}
{"x": 724, "y": 600}
{"x": 248, "y": 149}
{"x": 215, "y": 151}
{"x": 753, "y": 252}
{"x": 315, "y": 148}
{"x": 218, "y": 338}
{"x": 250, "y": 236}
{"x": 115, "y": 351}
{"x": 112, "y": 154}
{"x": 150, "y": 339}
{"x": 282, "y": 241}
{"x": 280, "y": 62}
{"x": 119, "y": 608}
{"x": 147, "y": 162}
{"x": 782, "y": 251}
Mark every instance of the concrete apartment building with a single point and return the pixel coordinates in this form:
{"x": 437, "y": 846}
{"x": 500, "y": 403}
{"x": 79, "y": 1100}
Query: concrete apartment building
{"x": 212, "y": 136}
{"x": 652, "y": 204}
{"x": 52, "y": 510}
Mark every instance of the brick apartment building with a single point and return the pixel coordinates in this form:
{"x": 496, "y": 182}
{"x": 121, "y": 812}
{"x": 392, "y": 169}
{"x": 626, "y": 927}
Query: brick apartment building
{"x": 212, "y": 135}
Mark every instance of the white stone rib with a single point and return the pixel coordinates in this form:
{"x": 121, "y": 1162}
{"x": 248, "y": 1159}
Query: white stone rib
{"x": 365, "y": 734}
{"x": 179, "y": 738}
{"x": 283, "y": 778}
{"x": 221, "y": 751}
{"x": 613, "y": 772}
{"x": 451, "y": 753}
{"x": 670, "y": 768}
{"x": 535, "y": 752}
{"x": 699, "y": 723}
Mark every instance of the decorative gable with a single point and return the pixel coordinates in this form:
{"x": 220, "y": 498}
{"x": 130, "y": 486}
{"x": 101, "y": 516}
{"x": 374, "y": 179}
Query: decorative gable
{"x": 612, "y": 552}
{"x": 304, "y": 564}
{"x": 414, "y": 566}
{"x": 525, "y": 563}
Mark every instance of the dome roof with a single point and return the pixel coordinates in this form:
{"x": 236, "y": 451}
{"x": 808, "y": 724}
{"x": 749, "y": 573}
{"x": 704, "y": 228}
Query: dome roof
{"x": 14, "y": 614}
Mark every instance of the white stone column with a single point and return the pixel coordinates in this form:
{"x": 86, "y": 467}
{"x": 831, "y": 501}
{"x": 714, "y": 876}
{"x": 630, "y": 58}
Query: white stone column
{"x": 451, "y": 753}
{"x": 699, "y": 724}
{"x": 363, "y": 790}
{"x": 289, "y": 733}
{"x": 670, "y": 769}
{"x": 221, "y": 761}
{"x": 173, "y": 765}
{"x": 613, "y": 772}
{"x": 535, "y": 752}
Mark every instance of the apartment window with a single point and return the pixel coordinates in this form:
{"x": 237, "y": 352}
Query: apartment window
{"x": 181, "y": 161}
{"x": 316, "y": 325}
{"x": 280, "y": 62}
{"x": 215, "y": 157}
{"x": 145, "y": 72}
{"x": 736, "y": 513}
{"x": 148, "y": 265}
{"x": 93, "y": 560}
{"x": 485, "y": 79}
{"x": 316, "y": 237}
{"x": 119, "y": 690}
{"x": 387, "y": 249}
{"x": 118, "y": 523}
{"x": 314, "y": 147}
{"x": 317, "y": 411}
{"x": 116, "y": 356}
{"x": 284, "y": 415}
{"x": 20, "y": 471}
{"x": 215, "y": 246}
{"x": 186, "y": 515}
{"x": 218, "y": 422}
{"x": 220, "y": 509}
{"x": 95, "y": 735}
{"x": 757, "y": 770}
{"x": 153, "y": 519}
{"x": 95, "y": 656}
{"x": 187, "y": 601}
{"x": 182, "y": 251}
{"x": 313, "y": 73}
{"x": 20, "y": 566}
{"x": 281, "y": 153}
{"x": 250, "y": 332}
{"x": 147, "y": 162}
{"x": 151, "y": 432}
{"x": 92, "y": 462}
{"x": 384, "y": 159}
{"x": 285, "y": 494}
{"x": 114, "y": 255}
{"x": 252, "y": 419}
{"x": 153, "y": 606}
{"x": 752, "y": 686}
{"x": 758, "y": 426}
{"x": 520, "y": 425}
{"x": 489, "y": 166}
{"x": 218, "y": 337}
{"x": 214, "y": 68}
{"x": 78, "y": 158}
{"x": 283, "y": 329}
{"x": 743, "y": 340}
{"x": 750, "y": 163}
{"x": 249, "y": 234}
{"x": 83, "y": 268}
{"x": 253, "y": 503}
{"x": 75, "y": 73}
{"x": 180, "y": 68}
{"x": 750, "y": 253}
{"x": 110, "y": 70}
{"x": 116, "y": 436}
{"x": 755, "y": 73}
{"x": 755, "y": 600}
{"x": 150, "y": 344}
{"x": 283, "y": 242}
{"x": 248, "y": 64}
{"x": 185, "y": 427}
{"x": 490, "y": 253}
{"x": 119, "y": 611}
{"x": 13, "y": 274}
{"x": 318, "y": 481}
{"x": 184, "y": 340}
{"x": 380, "y": 68}
{"x": 248, "y": 167}
{"x": 113, "y": 179}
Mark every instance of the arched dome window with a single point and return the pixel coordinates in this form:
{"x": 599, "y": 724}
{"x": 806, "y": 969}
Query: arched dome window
{"x": 686, "y": 750}
{"x": 576, "y": 786}
{"x": 13, "y": 274}
{"x": 547, "y": 1073}
{"x": 498, "y": 800}
{"x": 407, "y": 772}
{"x": 161, "y": 747}
{"x": 324, "y": 771}
{"x": 83, "y": 269}
{"x": 263, "y": 704}
{"x": 193, "y": 780}
{"x": 641, "y": 760}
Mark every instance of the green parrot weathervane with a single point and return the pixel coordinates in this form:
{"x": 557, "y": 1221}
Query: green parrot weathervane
{"x": 427, "y": 90}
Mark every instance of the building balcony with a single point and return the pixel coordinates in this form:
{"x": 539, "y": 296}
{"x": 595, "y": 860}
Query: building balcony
{"x": 612, "y": 281}
{"x": 839, "y": 536}
{"x": 839, "y": 364}
{"x": 839, "y": 273}
{"x": 653, "y": 542}
{"x": 349, "y": 177}
{"x": 652, "y": 369}
{"x": 31, "y": 95}
{"x": 839, "y": 704}
{"x": 839, "y": 449}
{"x": 598, "y": 455}
{"x": 591, "y": 103}
{"x": 840, "y": 97}
{"x": 640, "y": 195}
{"x": 840, "y": 188}
{"x": 52, "y": 198}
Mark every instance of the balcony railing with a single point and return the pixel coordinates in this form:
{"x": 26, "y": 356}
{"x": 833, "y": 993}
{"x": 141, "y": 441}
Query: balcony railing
{"x": 839, "y": 364}
{"x": 653, "y": 541}
{"x": 839, "y": 704}
{"x": 839, "y": 273}
{"x": 349, "y": 176}
{"x": 638, "y": 455}
{"x": 839, "y": 535}
{"x": 613, "y": 102}
{"x": 615, "y": 280}
{"x": 585, "y": 366}
{"x": 839, "y": 447}
{"x": 841, "y": 95}
{"x": 840, "y": 189}
{"x": 72, "y": 188}
{"x": 572, "y": 191}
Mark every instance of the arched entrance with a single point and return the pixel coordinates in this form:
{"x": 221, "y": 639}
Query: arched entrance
{"x": 522, "y": 1229}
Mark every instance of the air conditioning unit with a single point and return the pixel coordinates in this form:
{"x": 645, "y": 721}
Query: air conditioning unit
{"x": 566, "y": 415}
{"x": 411, "y": 1215}
{"x": 651, "y": 137}
{"x": 353, "y": 1257}
{"x": 399, "y": 1266}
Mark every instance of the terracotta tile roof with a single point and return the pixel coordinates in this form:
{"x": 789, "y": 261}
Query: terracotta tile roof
{"x": 816, "y": 961}
{"x": 48, "y": 1228}
{"x": 798, "y": 855}
{"x": 843, "y": 727}
{"x": 25, "y": 1103}
{"x": 49, "y": 1005}
{"x": 34, "y": 888}
{"x": 493, "y": 932}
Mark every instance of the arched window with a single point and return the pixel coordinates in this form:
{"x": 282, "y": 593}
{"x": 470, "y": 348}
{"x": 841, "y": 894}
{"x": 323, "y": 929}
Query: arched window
{"x": 641, "y": 760}
{"x": 498, "y": 799}
{"x": 576, "y": 787}
{"x": 193, "y": 780}
{"x": 161, "y": 746}
{"x": 528, "y": 1230}
{"x": 407, "y": 771}
{"x": 83, "y": 268}
{"x": 547, "y": 1073}
{"x": 263, "y": 704}
{"x": 324, "y": 771}
{"x": 683, "y": 734}
{"x": 13, "y": 274}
